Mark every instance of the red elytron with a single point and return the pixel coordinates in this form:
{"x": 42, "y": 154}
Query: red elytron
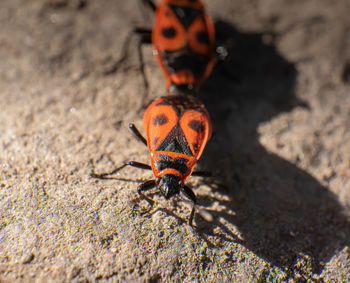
{"x": 178, "y": 128}
{"x": 184, "y": 39}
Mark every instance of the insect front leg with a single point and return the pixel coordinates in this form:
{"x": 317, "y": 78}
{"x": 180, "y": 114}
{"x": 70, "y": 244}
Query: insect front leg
{"x": 150, "y": 184}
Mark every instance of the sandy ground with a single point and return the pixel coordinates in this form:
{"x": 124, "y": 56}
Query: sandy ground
{"x": 280, "y": 104}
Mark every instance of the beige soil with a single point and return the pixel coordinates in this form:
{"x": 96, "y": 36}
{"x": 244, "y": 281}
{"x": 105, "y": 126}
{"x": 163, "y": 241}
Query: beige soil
{"x": 280, "y": 105}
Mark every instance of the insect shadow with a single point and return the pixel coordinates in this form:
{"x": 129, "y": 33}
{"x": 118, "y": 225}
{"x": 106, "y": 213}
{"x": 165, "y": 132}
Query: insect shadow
{"x": 282, "y": 212}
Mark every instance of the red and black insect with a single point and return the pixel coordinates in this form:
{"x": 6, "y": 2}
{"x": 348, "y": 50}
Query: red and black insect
{"x": 178, "y": 128}
{"x": 183, "y": 38}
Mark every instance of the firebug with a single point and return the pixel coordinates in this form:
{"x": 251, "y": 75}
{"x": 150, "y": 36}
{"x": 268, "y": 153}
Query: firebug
{"x": 178, "y": 128}
{"x": 183, "y": 39}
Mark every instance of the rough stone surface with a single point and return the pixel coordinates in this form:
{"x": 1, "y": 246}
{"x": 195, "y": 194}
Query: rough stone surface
{"x": 280, "y": 103}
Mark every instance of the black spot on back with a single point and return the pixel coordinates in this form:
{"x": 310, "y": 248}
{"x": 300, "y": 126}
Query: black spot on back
{"x": 160, "y": 120}
{"x": 169, "y": 32}
{"x": 196, "y": 126}
{"x": 202, "y": 37}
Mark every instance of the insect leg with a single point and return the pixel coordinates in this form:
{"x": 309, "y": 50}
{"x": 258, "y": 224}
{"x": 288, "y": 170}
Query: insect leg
{"x": 202, "y": 174}
{"x": 143, "y": 32}
{"x": 130, "y": 163}
{"x": 150, "y": 4}
{"x": 146, "y": 38}
{"x": 137, "y": 133}
{"x": 190, "y": 194}
{"x": 145, "y": 187}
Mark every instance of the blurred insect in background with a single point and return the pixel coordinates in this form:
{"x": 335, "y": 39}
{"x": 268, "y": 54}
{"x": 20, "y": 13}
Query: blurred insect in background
{"x": 178, "y": 128}
{"x": 183, "y": 39}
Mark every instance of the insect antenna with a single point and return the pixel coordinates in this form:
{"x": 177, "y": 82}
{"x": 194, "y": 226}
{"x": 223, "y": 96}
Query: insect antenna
{"x": 137, "y": 134}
